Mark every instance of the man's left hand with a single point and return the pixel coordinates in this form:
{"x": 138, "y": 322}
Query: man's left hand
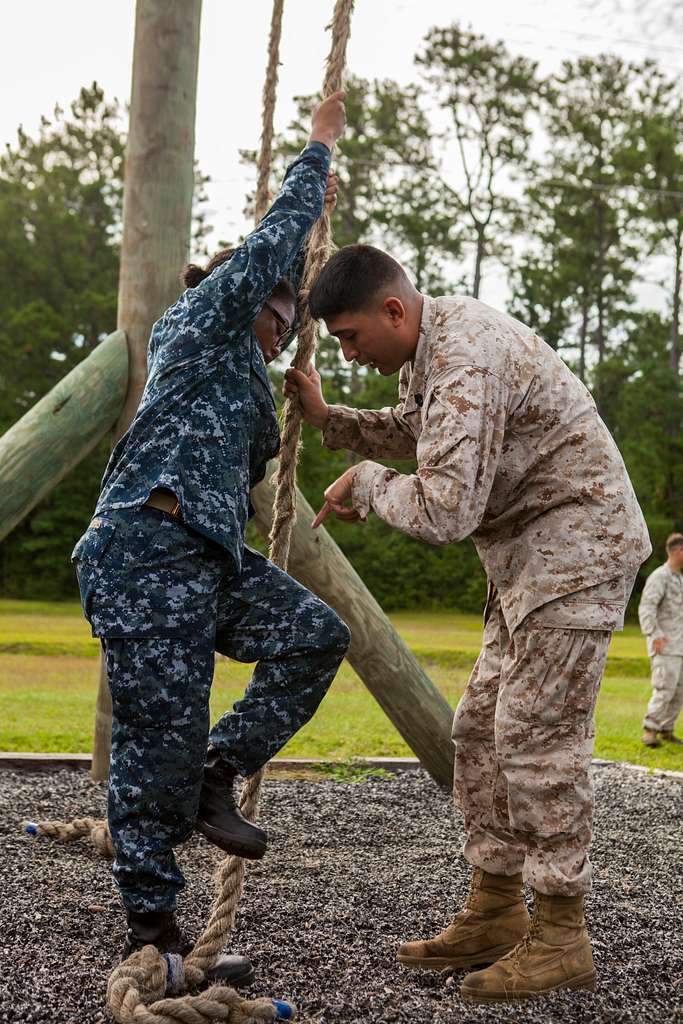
{"x": 336, "y": 496}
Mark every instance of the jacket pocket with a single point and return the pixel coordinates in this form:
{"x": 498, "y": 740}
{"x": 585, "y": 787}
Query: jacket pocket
{"x": 94, "y": 542}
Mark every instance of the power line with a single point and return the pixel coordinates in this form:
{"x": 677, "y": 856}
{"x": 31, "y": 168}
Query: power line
{"x": 593, "y": 35}
{"x": 670, "y": 193}
{"x": 577, "y": 53}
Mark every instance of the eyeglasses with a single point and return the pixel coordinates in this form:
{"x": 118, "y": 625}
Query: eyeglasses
{"x": 286, "y": 329}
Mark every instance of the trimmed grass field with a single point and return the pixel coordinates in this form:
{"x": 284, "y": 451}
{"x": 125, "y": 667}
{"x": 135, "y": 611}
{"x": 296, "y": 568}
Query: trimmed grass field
{"x": 49, "y": 671}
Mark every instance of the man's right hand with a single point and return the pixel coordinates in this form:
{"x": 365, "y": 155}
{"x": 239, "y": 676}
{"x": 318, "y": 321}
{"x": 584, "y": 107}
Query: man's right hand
{"x": 329, "y": 119}
{"x": 659, "y": 644}
{"x": 307, "y": 388}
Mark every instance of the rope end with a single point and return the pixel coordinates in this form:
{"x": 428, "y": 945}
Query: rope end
{"x": 30, "y": 828}
{"x": 283, "y": 1010}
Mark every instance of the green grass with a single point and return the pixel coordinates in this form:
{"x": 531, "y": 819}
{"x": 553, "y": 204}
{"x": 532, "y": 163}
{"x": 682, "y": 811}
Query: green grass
{"x": 49, "y": 670}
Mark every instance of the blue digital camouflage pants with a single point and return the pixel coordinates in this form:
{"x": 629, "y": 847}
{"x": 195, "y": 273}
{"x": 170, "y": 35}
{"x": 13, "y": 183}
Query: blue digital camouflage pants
{"x": 163, "y": 598}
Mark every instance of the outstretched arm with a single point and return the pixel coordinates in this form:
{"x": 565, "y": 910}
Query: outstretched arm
{"x": 227, "y": 301}
{"x": 458, "y": 454}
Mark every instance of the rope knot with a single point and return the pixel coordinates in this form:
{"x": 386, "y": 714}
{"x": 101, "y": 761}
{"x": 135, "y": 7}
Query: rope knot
{"x": 139, "y": 979}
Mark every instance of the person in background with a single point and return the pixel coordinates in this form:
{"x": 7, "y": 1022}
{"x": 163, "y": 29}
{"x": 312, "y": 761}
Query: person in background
{"x": 661, "y": 620}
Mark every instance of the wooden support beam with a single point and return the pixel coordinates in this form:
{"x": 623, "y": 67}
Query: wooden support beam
{"x": 157, "y": 213}
{"x": 383, "y": 661}
{"x": 56, "y": 433}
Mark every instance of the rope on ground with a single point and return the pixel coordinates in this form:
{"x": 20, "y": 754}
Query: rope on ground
{"x": 136, "y": 988}
{"x": 95, "y": 829}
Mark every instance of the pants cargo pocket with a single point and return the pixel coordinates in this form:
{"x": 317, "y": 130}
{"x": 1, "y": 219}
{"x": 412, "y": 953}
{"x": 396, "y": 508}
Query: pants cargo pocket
{"x": 87, "y": 557}
{"x": 544, "y": 734}
{"x": 156, "y": 579}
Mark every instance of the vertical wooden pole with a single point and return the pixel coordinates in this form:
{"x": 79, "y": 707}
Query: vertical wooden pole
{"x": 157, "y": 213}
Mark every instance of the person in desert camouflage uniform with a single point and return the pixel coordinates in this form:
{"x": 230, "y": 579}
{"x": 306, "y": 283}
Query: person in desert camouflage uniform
{"x": 165, "y": 576}
{"x": 511, "y": 451}
{"x": 661, "y": 620}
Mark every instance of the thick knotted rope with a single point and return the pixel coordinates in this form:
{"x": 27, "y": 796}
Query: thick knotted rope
{"x": 319, "y": 245}
{"x": 135, "y": 995}
{"x": 265, "y": 157}
{"x": 97, "y": 831}
{"x": 136, "y": 987}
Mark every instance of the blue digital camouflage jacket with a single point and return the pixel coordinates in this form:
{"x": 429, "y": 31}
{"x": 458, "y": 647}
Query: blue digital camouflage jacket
{"x": 206, "y": 424}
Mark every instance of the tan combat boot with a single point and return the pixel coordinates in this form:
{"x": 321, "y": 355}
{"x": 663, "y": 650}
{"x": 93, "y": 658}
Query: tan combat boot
{"x": 493, "y": 920}
{"x": 650, "y": 738}
{"x": 555, "y": 953}
{"x": 668, "y": 736}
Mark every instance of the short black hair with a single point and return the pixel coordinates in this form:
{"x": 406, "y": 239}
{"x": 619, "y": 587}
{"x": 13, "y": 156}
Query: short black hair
{"x": 674, "y": 540}
{"x": 351, "y": 279}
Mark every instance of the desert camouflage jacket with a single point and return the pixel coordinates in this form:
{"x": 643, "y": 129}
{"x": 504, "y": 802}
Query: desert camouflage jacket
{"x": 206, "y": 424}
{"x": 510, "y": 449}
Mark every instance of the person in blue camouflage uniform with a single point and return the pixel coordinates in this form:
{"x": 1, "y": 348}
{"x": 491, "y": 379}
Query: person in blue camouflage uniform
{"x": 164, "y": 590}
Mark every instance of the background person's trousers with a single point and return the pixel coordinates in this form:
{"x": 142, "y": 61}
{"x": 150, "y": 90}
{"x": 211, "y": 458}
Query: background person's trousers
{"x": 160, "y": 684}
{"x": 667, "y": 693}
{"x": 524, "y": 735}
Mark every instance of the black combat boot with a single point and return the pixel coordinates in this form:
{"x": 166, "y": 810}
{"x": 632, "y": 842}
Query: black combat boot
{"x": 159, "y": 928}
{"x": 220, "y": 819}
{"x": 154, "y": 928}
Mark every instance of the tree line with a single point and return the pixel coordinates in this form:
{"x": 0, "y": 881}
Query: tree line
{"x": 571, "y": 186}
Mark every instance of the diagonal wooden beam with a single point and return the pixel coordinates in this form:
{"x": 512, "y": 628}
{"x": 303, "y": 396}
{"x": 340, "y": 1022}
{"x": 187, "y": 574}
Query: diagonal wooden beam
{"x": 59, "y": 430}
{"x": 382, "y": 659}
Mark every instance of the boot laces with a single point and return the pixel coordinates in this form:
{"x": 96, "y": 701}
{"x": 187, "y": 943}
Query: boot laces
{"x": 475, "y": 886}
{"x": 523, "y": 947}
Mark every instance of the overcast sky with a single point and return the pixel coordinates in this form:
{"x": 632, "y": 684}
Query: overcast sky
{"x": 49, "y": 50}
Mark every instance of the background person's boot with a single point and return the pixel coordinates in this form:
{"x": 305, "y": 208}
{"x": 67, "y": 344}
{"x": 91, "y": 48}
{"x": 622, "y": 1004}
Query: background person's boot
{"x": 492, "y": 922}
{"x": 159, "y": 928}
{"x": 668, "y": 736}
{"x": 220, "y": 819}
{"x": 554, "y": 954}
{"x": 650, "y": 738}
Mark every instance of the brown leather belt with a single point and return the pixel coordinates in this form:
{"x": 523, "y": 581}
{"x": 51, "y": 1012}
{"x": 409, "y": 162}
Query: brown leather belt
{"x": 165, "y": 502}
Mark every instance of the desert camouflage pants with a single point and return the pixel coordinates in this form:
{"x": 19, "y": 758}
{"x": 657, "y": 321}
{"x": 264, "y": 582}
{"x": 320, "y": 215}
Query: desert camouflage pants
{"x": 163, "y": 600}
{"x": 667, "y": 693}
{"x": 524, "y": 736}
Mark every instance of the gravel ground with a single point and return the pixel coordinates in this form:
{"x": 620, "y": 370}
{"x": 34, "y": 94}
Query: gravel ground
{"x": 352, "y": 870}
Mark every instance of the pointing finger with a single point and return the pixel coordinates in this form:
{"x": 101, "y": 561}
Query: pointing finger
{"x": 322, "y": 515}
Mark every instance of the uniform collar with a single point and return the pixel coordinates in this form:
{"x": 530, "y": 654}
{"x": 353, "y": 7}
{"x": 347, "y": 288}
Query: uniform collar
{"x": 258, "y": 365}
{"x": 416, "y": 386}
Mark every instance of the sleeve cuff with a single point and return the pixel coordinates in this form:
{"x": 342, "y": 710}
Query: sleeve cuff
{"x": 319, "y": 148}
{"x": 315, "y": 154}
{"x": 362, "y": 485}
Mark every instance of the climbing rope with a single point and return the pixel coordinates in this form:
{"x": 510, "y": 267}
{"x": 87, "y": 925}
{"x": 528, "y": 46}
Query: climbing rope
{"x": 265, "y": 157}
{"x": 317, "y": 254}
{"x": 136, "y": 988}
